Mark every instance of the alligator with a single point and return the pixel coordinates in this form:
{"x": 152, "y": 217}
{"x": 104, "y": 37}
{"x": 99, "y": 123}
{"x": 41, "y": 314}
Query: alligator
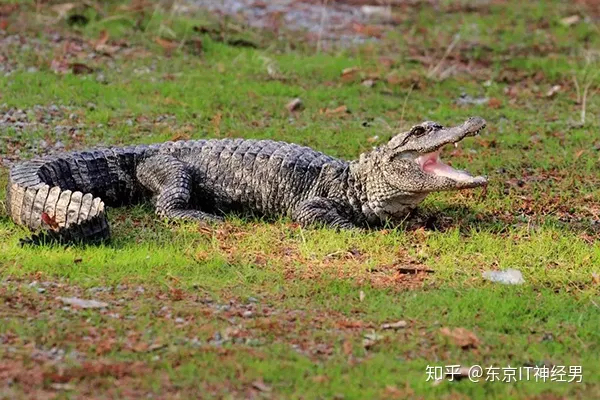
{"x": 62, "y": 197}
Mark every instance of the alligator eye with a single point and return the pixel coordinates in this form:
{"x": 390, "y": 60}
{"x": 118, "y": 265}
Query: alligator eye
{"x": 417, "y": 131}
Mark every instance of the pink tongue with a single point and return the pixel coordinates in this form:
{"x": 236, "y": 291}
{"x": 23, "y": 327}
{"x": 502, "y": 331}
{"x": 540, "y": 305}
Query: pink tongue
{"x": 436, "y": 167}
{"x": 440, "y": 169}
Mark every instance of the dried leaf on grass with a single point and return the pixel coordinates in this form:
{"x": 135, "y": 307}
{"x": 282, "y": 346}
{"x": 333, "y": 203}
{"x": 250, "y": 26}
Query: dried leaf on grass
{"x": 461, "y": 337}
{"x": 260, "y": 385}
{"x": 101, "y": 44}
{"x": 570, "y": 20}
{"x": 167, "y": 45}
{"x": 50, "y": 221}
{"x": 368, "y": 30}
{"x": 80, "y": 69}
{"x": 395, "y": 325}
{"x": 350, "y": 73}
{"x": 341, "y": 110}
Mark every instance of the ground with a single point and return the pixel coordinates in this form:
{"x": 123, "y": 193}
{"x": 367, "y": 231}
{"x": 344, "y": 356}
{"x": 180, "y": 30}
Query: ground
{"x": 267, "y": 309}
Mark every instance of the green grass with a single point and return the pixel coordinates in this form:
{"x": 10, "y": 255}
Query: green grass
{"x": 304, "y": 336}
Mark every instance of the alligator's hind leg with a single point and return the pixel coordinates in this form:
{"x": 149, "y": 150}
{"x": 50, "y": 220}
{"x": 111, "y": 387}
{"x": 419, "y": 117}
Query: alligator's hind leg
{"x": 171, "y": 183}
{"x": 321, "y": 210}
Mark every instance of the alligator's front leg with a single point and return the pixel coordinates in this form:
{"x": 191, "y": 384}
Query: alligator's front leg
{"x": 169, "y": 179}
{"x": 321, "y": 210}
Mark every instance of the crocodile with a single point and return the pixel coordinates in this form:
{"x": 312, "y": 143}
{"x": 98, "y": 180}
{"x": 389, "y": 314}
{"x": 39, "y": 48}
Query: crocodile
{"x": 62, "y": 197}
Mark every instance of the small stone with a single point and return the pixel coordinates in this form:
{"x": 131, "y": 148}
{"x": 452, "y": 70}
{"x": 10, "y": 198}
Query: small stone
{"x": 548, "y": 337}
{"x": 100, "y": 78}
{"x": 508, "y": 277}
{"x": 368, "y": 83}
{"x": 81, "y": 303}
{"x": 247, "y": 314}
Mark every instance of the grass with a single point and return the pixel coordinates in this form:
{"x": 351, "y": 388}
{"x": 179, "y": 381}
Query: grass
{"x": 265, "y": 308}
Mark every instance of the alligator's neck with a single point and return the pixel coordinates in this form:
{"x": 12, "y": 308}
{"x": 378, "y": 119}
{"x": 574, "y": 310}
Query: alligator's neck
{"x": 380, "y": 202}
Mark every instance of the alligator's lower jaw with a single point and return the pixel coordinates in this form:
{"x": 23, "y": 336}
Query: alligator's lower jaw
{"x": 432, "y": 164}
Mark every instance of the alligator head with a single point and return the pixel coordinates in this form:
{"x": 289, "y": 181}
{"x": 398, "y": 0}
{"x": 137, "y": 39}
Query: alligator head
{"x": 398, "y": 175}
{"x": 411, "y": 160}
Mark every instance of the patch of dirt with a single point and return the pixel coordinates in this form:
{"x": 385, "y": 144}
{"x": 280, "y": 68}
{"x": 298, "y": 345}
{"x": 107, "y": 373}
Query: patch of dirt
{"x": 336, "y": 22}
{"x": 76, "y": 353}
{"x": 61, "y": 53}
{"x": 61, "y": 124}
{"x": 403, "y": 272}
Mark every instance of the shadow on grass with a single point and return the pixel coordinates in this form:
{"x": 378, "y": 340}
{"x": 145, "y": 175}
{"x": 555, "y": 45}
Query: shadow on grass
{"x": 449, "y": 217}
{"x": 444, "y": 218}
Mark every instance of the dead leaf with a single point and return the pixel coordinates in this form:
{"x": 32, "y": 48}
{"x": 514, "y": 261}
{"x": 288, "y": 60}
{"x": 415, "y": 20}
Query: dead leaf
{"x": 596, "y": 278}
{"x": 50, "y": 221}
{"x": 80, "y": 69}
{"x": 294, "y": 105}
{"x": 102, "y": 39}
{"x": 8, "y": 9}
{"x": 336, "y": 111}
{"x": 386, "y": 62}
{"x": 350, "y": 73}
{"x": 361, "y": 296}
{"x": 392, "y": 392}
{"x": 494, "y": 103}
{"x": 553, "y": 90}
{"x": 81, "y": 303}
{"x": 395, "y": 325}
{"x": 368, "y": 30}
{"x": 347, "y": 347}
{"x": 393, "y": 78}
{"x": 59, "y": 66}
{"x": 570, "y": 20}
{"x": 63, "y": 9}
{"x": 180, "y": 135}
{"x": 101, "y": 45}
{"x": 579, "y": 153}
{"x": 461, "y": 337}
{"x": 195, "y": 46}
{"x": 167, "y": 45}
{"x": 216, "y": 122}
{"x": 176, "y": 294}
{"x": 260, "y": 385}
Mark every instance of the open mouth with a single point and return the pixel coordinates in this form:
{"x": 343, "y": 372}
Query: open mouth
{"x": 431, "y": 163}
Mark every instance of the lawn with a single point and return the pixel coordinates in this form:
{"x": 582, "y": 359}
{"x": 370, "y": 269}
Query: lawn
{"x": 268, "y": 309}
